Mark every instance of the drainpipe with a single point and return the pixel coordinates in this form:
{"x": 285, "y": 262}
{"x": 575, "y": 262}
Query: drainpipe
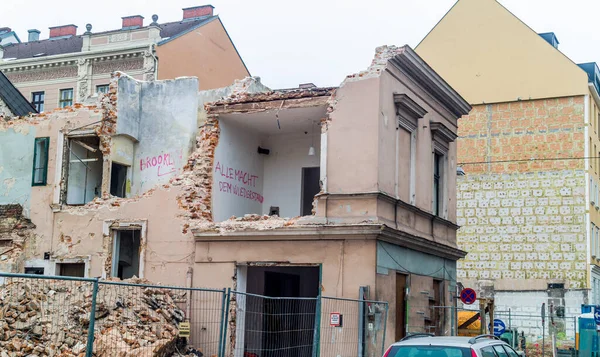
{"x": 188, "y": 302}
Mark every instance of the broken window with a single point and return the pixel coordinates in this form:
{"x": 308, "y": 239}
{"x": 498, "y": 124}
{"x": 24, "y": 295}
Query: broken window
{"x": 310, "y": 187}
{"x": 126, "y": 254}
{"x": 34, "y": 271}
{"x": 84, "y": 178}
{"x": 40, "y": 161}
{"x": 118, "y": 180}
{"x": 71, "y": 269}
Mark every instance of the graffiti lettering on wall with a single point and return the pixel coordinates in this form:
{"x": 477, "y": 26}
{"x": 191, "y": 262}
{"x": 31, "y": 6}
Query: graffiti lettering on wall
{"x": 240, "y": 176}
{"x": 165, "y": 163}
{"x": 240, "y": 191}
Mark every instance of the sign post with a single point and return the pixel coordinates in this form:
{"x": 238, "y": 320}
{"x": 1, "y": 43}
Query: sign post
{"x": 543, "y": 328}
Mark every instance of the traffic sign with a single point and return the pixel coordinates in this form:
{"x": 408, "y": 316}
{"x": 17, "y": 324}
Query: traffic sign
{"x": 499, "y": 327}
{"x": 597, "y": 317}
{"x": 468, "y": 296}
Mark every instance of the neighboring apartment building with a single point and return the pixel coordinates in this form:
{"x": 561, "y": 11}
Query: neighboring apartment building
{"x": 334, "y": 189}
{"x": 67, "y": 67}
{"x": 528, "y": 203}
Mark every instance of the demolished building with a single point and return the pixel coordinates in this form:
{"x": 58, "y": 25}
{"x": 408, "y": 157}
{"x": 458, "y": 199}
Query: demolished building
{"x": 295, "y": 193}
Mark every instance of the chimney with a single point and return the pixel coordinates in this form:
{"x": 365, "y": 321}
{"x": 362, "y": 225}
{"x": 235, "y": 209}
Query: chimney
{"x": 64, "y": 30}
{"x": 132, "y": 22}
{"x": 34, "y": 35}
{"x": 197, "y": 11}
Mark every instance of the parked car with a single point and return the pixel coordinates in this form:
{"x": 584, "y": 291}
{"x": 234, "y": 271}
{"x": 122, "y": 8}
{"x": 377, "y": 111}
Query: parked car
{"x": 427, "y": 345}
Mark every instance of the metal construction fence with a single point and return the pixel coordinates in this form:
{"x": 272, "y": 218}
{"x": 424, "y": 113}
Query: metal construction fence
{"x": 48, "y": 315}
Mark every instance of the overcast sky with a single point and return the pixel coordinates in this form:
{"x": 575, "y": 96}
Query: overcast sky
{"x": 321, "y": 41}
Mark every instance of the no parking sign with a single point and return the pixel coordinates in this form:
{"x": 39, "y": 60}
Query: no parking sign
{"x": 468, "y": 296}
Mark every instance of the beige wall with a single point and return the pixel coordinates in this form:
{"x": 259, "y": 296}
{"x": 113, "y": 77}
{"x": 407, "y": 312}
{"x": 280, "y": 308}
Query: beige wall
{"x": 51, "y": 91}
{"x": 488, "y": 55}
{"x": 207, "y": 53}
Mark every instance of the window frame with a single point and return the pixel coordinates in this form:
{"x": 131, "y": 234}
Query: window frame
{"x": 62, "y": 100}
{"x": 44, "y": 166}
{"x": 107, "y": 86}
{"x": 38, "y": 104}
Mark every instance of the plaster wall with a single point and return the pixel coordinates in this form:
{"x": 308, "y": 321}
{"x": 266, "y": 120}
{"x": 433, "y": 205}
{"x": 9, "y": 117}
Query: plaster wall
{"x": 238, "y": 173}
{"x": 162, "y": 116}
{"x": 206, "y": 52}
{"x": 346, "y": 265}
{"x": 16, "y": 164}
{"x": 51, "y": 90}
{"x": 283, "y": 171}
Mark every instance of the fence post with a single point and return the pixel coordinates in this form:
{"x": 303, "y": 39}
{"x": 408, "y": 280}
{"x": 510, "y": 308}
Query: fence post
{"x": 90, "y": 338}
{"x": 361, "y": 322}
{"x": 317, "y": 329}
{"x": 224, "y": 324}
{"x": 387, "y": 306}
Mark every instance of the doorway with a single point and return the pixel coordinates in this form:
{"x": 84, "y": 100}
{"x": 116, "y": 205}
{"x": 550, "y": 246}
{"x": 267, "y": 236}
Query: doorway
{"x": 118, "y": 180}
{"x": 126, "y": 254}
{"x": 310, "y": 187}
{"x": 284, "y": 317}
{"x": 400, "y": 306}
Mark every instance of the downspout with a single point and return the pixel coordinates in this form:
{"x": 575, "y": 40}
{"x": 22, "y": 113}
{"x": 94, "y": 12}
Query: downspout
{"x": 188, "y": 303}
{"x": 586, "y": 110}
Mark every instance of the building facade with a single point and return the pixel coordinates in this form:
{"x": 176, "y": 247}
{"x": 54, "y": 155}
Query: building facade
{"x": 260, "y": 188}
{"x": 529, "y": 150}
{"x": 68, "y": 68}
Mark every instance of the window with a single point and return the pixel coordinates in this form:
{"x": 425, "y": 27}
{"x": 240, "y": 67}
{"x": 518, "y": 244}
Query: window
{"x": 40, "y": 161}
{"x": 83, "y": 171}
{"x": 488, "y": 352}
{"x": 103, "y": 88}
{"x": 430, "y": 351}
{"x": 118, "y": 180}
{"x": 37, "y": 99}
{"x": 66, "y": 97}
{"x": 437, "y": 183}
{"x": 126, "y": 254}
{"x": 71, "y": 269}
{"x": 500, "y": 351}
{"x": 35, "y": 271}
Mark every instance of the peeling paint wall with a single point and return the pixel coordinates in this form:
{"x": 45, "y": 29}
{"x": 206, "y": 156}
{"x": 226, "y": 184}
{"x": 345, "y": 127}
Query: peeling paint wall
{"x": 4, "y": 109}
{"x": 162, "y": 117}
{"x": 16, "y": 164}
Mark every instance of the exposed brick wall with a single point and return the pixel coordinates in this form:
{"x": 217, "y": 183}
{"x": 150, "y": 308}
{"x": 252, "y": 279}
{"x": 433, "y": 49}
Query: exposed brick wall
{"x": 11, "y": 211}
{"x": 523, "y": 220}
{"x": 198, "y": 11}
{"x": 541, "y": 129}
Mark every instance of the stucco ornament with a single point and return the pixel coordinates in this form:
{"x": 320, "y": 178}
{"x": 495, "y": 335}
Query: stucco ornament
{"x": 149, "y": 65}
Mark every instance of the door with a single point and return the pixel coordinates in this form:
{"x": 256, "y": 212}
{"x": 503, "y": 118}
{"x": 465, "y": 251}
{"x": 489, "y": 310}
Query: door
{"x": 310, "y": 187}
{"x": 400, "y": 306}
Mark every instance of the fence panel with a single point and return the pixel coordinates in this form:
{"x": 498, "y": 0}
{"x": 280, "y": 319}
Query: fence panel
{"x": 52, "y": 315}
{"x": 145, "y": 319}
{"x": 44, "y": 315}
{"x": 270, "y": 326}
{"x": 362, "y": 328}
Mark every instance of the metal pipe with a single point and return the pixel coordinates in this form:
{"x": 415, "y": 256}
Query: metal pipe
{"x": 90, "y": 338}
{"x": 188, "y": 303}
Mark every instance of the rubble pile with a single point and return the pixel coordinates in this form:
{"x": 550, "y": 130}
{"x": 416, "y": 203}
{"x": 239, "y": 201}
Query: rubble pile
{"x": 51, "y": 318}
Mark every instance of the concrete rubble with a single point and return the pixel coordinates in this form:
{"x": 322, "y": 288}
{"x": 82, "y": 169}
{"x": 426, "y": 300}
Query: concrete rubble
{"x": 51, "y": 318}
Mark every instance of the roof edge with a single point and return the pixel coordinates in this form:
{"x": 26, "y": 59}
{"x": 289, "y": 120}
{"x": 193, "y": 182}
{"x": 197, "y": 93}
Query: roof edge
{"x": 208, "y": 20}
{"x": 415, "y": 67}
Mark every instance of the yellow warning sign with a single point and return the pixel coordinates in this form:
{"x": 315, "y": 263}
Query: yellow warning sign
{"x": 184, "y": 329}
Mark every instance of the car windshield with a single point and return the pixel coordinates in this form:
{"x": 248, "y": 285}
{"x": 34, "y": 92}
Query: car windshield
{"x": 429, "y": 351}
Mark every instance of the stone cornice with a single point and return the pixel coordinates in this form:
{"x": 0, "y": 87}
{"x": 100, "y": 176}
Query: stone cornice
{"x": 335, "y": 232}
{"x": 71, "y": 59}
{"x": 440, "y": 130}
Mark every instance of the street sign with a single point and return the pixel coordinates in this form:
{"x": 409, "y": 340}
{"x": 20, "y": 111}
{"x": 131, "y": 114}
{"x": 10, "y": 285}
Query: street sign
{"x": 597, "y": 317}
{"x": 468, "y": 296}
{"x": 499, "y": 327}
{"x": 184, "y": 329}
{"x": 335, "y": 319}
